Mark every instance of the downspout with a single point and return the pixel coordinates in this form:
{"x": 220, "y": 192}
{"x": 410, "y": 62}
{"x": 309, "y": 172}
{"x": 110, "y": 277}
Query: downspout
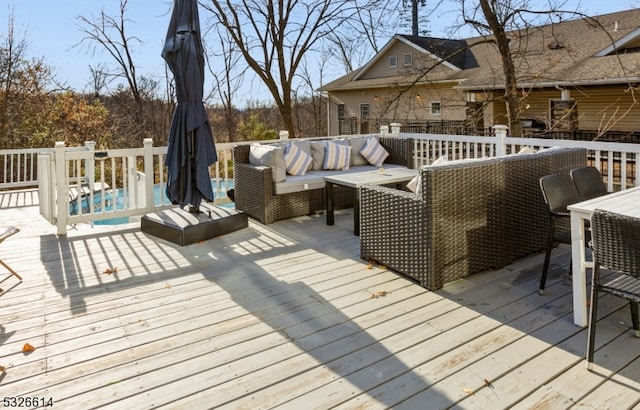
{"x": 326, "y": 94}
{"x": 564, "y": 93}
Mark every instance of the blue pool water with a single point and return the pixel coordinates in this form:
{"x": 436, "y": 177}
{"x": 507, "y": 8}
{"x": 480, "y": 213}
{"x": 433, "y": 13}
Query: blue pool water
{"x": 158, "y": 195}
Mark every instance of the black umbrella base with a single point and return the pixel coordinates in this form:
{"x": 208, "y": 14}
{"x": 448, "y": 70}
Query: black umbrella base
{"x": 182, "y": 227}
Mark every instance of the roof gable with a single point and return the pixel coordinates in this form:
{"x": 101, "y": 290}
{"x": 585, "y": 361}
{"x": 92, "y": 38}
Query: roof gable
{"x": 630, "y": 42}
{"x": 595, "y": 50}
{"x": 448, "y": 53}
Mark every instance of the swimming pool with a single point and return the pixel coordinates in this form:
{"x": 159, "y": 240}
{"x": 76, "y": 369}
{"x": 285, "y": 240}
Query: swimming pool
{"x": 159, "y": 196}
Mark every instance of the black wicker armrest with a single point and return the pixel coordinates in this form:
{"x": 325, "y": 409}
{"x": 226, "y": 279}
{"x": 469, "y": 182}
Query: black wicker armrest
{"x": 253, "y": 187}
{"x": 393, "y": 228}
{"x": 390, "y": 194}
{"x": 400, "y": 150}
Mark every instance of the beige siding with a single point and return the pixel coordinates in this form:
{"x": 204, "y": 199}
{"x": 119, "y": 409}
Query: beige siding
{"x": 413, "y": 104}
{"x": 599, "y": 108}
{"x": 381, "y": 69}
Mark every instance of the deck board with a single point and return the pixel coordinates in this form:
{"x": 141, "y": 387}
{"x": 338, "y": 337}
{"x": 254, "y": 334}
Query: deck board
{"x": 286, "y": 316}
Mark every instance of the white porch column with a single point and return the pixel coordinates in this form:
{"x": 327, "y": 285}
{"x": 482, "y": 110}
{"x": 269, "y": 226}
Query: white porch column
{"x": 61, "y": 197}
{"x": 501, "y": 139}
{"x": 149, "y": 174}
{"x": 395, "y": 129}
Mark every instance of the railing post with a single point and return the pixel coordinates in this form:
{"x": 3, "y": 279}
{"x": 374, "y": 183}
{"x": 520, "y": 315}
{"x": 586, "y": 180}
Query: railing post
{"x": 501, "y": 139}
{"x": 61, "y": 197}
{"x": 149, "y": 174}
{"x": 384, "y": 130}
{"x": 90, "y": 172}
{"x": 395, "y": 129}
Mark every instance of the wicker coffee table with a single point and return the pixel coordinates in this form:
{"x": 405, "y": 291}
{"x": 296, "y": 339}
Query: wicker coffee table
{"x": 386, "y": 176}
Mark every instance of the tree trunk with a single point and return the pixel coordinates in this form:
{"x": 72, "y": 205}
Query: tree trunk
{"x": 511, "y": 95}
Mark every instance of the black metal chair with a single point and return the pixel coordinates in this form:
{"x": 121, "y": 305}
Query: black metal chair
{"x": 589, "y": 182}
{"x": 558, "y": 191}
{"x": 616, "y": 246}
{"x": 4, "y": 234}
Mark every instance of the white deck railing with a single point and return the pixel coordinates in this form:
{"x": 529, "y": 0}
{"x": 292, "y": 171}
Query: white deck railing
{"x": 19, "y": 168}
{"x": 98, "y": 185}
{"x": 616, "y": 161}
{"x": 87, "y": 185}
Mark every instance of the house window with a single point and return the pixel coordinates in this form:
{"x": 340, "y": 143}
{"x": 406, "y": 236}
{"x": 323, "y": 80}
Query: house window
{"x": 436, "y": 108}
{"x": 408, "y": 59}
{"x": 341, "y": 112}
{"x": 393, "y": 61}
{"x": 364, "y": 111}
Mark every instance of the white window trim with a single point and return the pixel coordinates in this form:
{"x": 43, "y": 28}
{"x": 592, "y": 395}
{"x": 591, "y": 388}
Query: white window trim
{"x": 368, "y": 111}
{"x": 408, "y": 56}
{"x": 431, "y": 108}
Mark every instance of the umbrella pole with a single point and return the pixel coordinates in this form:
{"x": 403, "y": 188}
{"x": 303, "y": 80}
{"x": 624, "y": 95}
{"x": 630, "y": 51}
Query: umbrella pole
{"x": 193, "y": 209}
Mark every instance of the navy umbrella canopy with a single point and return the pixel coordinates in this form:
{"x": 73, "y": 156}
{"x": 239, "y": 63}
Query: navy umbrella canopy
{"x": 191, "y": 148}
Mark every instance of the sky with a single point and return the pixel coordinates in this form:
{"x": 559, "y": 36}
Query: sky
{"x": 51, "y": 30}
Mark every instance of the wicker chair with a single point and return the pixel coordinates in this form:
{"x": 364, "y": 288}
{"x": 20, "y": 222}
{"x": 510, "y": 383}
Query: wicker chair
{"x": 470, "y": 216}
{"x": 558, "y": 191}
{"x": 254, "y": 189}
{"x": 616, "y": 246}
{"x": 4, "y": 234}
{"x": 589, "y": 183}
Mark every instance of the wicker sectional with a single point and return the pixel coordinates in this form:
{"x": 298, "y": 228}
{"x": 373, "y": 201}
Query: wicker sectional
{"x": 255, "y": 194}
{"x": 471, "y": 216}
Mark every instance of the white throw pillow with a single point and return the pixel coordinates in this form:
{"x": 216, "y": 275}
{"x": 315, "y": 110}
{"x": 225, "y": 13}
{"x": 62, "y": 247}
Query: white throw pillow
{"x": 296, "y": 160}
{"x": 373, "y": 152}
{"x": 357, "y": 143}
{"x": 317, "y": 153}
{"x": 336, "y": 156}
{"x": 415, "y": 185}
{"x": 270, "y": 156}
{"x": 440, "y": 161}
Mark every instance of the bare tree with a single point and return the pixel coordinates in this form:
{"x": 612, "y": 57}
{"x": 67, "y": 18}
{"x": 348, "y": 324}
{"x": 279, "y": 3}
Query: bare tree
{"x": 274, "y": 37}
{"x": 364, "y": 34}
{"x": 109, "y": 34}
{"x": 24, "y": 94}
{"x": 310, "y": 105}
{"x": 99, "y": 79}
{"x": 505, "y": 21}
{"x": 228, "y": 78}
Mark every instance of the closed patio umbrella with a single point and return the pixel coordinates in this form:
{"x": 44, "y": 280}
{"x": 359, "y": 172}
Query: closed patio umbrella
{"x": 191, "y": 149}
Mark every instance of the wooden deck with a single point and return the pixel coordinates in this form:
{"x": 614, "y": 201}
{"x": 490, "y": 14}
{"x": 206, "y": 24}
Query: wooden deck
{"x": 288, "y": 315}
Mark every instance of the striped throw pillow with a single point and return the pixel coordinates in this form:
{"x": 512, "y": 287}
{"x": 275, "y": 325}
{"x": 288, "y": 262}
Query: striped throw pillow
{"x": 296, "y": 160}
{"x": 336, "y": 156}
{"x": 373, "y": 152}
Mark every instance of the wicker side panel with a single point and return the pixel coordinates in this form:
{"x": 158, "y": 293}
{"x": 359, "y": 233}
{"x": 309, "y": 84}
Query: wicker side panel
{"x": 393, "y": 230}
{"x": 254, "y": 192}
{"x": 400, "y": 150}
{"x": 462, "y": 214}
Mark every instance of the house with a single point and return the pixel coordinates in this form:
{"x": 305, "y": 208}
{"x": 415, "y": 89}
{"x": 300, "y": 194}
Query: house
{"x": 578, "y": 74}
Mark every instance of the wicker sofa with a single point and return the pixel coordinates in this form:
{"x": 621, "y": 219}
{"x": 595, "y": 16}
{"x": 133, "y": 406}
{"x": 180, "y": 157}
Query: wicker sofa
{"x": 255, "y": 190}
{"x": 471, "y": 216}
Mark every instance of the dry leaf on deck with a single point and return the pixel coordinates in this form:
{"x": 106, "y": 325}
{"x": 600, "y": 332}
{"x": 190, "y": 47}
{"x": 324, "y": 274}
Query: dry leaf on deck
{"x": 379, "y": 294}
{"x": 468, "y": 391}
{"x": 27, "y": 348}
{"x": 109, "y": 271}
{"x": 2, "y": 369}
